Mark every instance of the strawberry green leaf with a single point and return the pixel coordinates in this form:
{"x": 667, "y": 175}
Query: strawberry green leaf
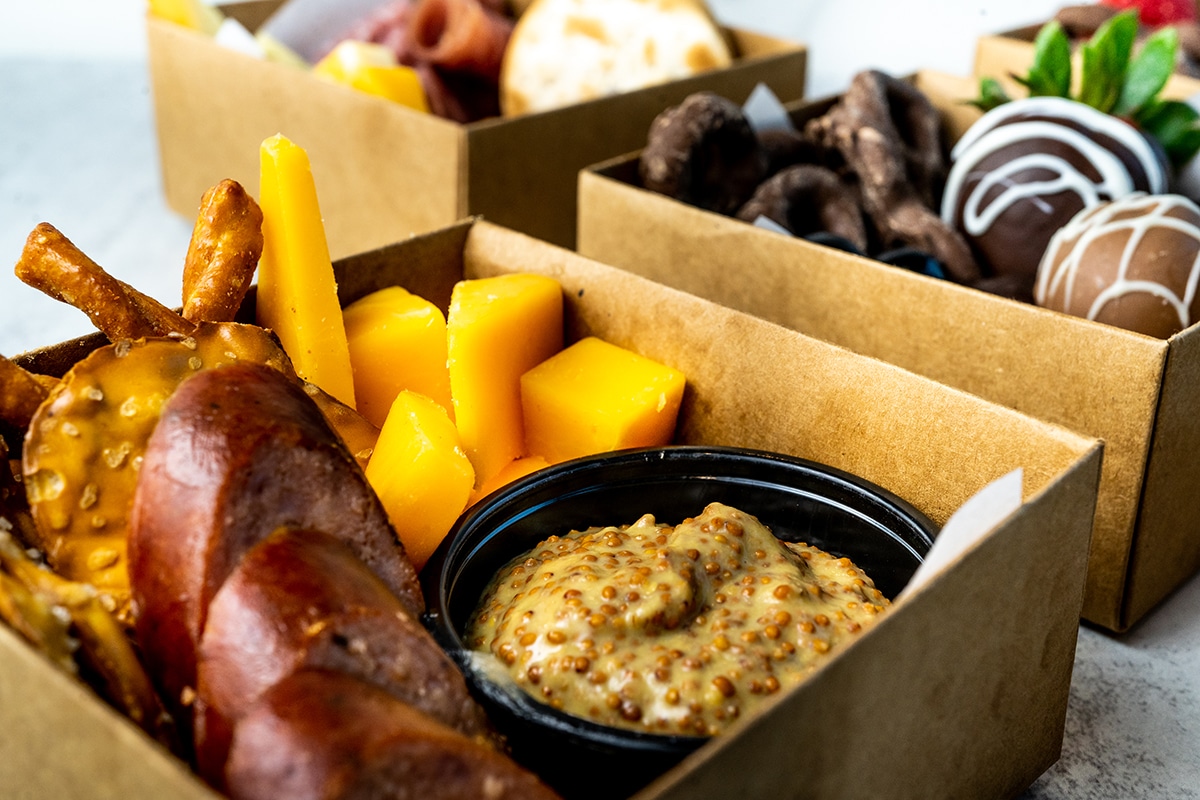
{"x": 1148, "y": 72}
{"x": 991, "y": 95}
{"x": 1050, "y": 72}
{"x": 1175, "y": 125}
{"x": 1105, "y": 61}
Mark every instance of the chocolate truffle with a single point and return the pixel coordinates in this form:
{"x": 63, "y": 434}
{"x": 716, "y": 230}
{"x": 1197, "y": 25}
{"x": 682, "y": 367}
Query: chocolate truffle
{"x": 1133, "y": 263}
{"x": 1024, "y": 169}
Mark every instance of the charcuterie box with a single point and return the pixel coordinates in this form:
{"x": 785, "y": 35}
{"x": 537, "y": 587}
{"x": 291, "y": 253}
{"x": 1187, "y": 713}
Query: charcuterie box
{"x": 1135, "y": 392}
{"x": 961, "y": 690}
{"x": 1002, "y": 55}
{"x": 387, "y": 171}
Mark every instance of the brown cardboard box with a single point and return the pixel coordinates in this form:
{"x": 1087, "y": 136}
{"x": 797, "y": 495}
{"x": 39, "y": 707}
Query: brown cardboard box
{"x": 1132, "y": 391}
{"x": 1001, "y": 55}
{"x": 386, "y": 171}
{"x": 960, "y": 691}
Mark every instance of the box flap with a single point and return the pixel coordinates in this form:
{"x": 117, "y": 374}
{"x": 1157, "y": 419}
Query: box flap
{"x": 59, "y": 740}
{"x": 1162, "y": 562}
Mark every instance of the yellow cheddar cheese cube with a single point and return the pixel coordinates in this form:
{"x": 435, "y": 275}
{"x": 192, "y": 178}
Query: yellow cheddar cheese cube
{"x": 372, "y": 68}
{"x": 594, "y": 397}
{"x": 518, "y": 468}
{"x": 420, "y": 473}
{"x": 497, "y": 329}
{"x": 193, "y": 14}
{"x": 397, "y": 341}
{"x": 297, "y": 295}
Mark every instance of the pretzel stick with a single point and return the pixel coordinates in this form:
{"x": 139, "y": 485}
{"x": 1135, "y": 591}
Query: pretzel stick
{"x": 21, "y": 392}
{"x": 52, "y": 264}
{"x": 226, "y": 243}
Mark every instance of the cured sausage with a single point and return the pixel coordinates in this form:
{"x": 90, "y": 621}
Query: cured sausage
{"x": 320, "y": 735}
{"x": 301, "y": 599}
{"x": 460, "y": 35}
{"x": 238, "y": 452}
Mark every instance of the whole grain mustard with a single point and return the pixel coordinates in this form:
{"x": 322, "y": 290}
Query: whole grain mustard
{"x": 672, "y": 630}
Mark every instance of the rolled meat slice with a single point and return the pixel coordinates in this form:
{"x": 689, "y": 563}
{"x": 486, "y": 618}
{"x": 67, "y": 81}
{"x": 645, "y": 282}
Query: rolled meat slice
{"x": 238, "y": 452}
{"x": 301, "y": 599}
{"x": 320, "y": 735}
{"x": 459, "y": 35}
{"x": 458, "y": 96}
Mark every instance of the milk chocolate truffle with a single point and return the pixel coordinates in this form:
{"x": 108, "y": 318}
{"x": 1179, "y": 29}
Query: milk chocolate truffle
{"x": 1026, "y": 168}
{"x": 1133, "y": 263}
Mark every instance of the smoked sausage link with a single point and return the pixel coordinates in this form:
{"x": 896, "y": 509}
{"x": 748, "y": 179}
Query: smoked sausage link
{"x": 320, "y": 735}
{"x": 302, "y": 599}
{"x": 239, "y": 451}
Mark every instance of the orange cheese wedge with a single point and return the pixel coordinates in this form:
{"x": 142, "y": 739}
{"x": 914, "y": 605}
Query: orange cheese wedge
{"x": 397, "y": 341}
{"x": 372, "y": 68}
{"x": 594, "y": 397}
{"x": 496, "y": 330}
{"x": 420, "y": 473}
{"x": 297, "y": 294}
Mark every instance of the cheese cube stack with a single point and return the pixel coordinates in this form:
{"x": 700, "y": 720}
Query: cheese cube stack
{"x": 397, "y": 341}
{"x": 497, "y": 329}
{"x": 297, "y": 295}
{"x": 420, "y": 473}
{"x": 594, "y": 397}
{"x": 372, "y": 68}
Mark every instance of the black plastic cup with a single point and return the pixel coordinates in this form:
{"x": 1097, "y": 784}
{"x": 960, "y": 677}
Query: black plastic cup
{"x": 799, "y": 500}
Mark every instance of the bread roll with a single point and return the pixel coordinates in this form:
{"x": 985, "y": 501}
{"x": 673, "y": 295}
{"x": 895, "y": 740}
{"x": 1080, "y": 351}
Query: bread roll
{"x": 567, "y": 51}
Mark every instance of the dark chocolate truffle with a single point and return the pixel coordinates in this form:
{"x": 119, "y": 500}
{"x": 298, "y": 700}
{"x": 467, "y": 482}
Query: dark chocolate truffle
{"x": 1133, "y": 263}
{"x": 1026, "y": 168}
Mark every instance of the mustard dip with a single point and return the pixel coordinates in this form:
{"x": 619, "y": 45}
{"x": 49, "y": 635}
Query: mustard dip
{"x": 672, "y": 630}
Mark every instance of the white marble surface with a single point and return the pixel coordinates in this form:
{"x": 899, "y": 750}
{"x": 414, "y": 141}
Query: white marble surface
{"x": 77, "y": 149}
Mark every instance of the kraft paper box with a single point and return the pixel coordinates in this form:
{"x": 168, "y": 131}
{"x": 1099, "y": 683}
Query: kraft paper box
{"x": 386, "y": 171}
{"x": 1002, "y": 55}
{"x": 961, "y": 691}
{"x": 1135, "y": 392}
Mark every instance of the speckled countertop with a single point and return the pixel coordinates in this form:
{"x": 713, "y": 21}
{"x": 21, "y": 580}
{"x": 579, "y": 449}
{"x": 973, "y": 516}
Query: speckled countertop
{"x": 77, "y": 149}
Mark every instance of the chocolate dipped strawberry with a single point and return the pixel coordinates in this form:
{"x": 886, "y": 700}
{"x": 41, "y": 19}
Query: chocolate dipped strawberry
{"x": 1029, "y": 165}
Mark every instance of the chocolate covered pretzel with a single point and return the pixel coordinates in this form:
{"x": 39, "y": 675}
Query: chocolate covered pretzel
{"x": 703, "y": 152}
{"x": 806, "y": 199}
{"x": 890, "y": 136}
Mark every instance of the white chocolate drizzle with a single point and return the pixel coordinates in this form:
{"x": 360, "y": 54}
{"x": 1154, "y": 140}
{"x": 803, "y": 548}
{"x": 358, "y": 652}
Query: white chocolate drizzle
{"x": 994, "y": 132}
{"x": 1089, "y": 225}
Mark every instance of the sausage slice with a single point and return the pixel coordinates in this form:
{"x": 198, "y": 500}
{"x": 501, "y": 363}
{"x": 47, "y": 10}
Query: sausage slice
{"x": 319, "y": 735}
{"x": 299, "y": 599}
